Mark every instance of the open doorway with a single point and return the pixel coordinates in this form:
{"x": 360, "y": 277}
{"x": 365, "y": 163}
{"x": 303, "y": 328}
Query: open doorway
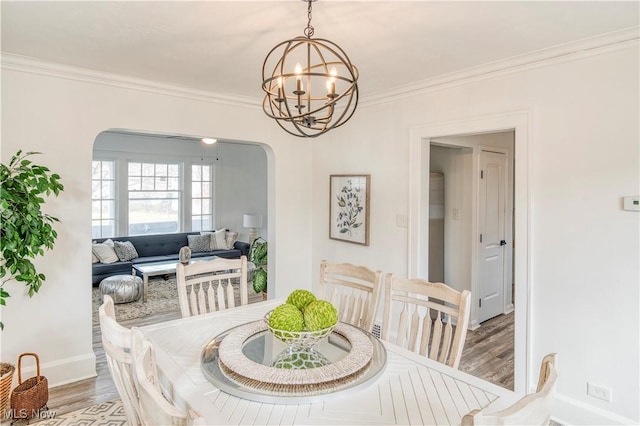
{"x": 470, "y": 195}
{"x": 470, "y": 245}
{"x": 419, "y": 154}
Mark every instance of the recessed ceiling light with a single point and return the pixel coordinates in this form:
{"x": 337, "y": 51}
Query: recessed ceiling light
{"x": 209, "y": 141}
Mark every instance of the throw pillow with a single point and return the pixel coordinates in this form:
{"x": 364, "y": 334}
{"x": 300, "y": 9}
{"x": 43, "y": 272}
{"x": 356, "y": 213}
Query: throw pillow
{"x": 125, "y": 250}
{"x": 94, "y": 259}
{"x": 218, "y": 239}
{"x": 199, "y": 243}
{"x": 104, "y": 252}
{"x": 221, "y": 239}
{"x": 231, "y": 238}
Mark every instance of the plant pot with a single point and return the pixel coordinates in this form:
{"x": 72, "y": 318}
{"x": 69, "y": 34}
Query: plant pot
{"x": 6, "y": 379}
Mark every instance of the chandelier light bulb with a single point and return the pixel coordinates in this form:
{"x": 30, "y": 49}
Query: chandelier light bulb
{"x": 299, "y": 90}
{"x": 331, "y": 83}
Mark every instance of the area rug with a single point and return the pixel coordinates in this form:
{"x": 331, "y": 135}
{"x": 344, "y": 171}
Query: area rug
{"x": 162, "y": 297}
{"x": 104, "y": 414}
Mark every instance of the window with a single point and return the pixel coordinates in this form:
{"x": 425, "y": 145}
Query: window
{"x": 103, "y": 199}
{"x": 201, "y": 197}
{"x": 154, "y": 197}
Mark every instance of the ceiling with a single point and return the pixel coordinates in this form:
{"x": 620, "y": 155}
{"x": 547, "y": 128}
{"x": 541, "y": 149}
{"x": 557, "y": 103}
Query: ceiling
{"x": 219, "y": 46}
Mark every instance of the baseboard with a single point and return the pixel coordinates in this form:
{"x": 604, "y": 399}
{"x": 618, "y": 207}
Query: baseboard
{"x": 473, "y": 325}
{"x": 569, "y": 411}
{"x": 64, "y": 371}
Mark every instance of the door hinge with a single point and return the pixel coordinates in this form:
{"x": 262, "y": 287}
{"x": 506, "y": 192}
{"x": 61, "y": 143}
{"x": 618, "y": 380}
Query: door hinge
{"x": 481, "y": 174}
{"x": 480, "y": 303}
{"x": 480, "y": 237}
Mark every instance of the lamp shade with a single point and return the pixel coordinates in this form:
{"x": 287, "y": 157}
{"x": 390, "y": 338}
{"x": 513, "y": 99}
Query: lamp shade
{"x": 252, "y": 220}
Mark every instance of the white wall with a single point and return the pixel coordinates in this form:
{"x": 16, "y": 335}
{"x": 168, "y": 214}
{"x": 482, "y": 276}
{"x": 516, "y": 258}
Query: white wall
{"x": 241, "y": 187}
{"x": 61, "y": 115}
{"x": 584, "y": 253}
{"x": 455, "y": 163}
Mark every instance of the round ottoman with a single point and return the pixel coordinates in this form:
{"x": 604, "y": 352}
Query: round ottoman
{"x": 122, "y": 288}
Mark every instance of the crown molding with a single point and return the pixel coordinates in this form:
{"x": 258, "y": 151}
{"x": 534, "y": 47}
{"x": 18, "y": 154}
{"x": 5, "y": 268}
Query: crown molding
{"x": 10, "y": 61}
{"x": 569, "y": 51}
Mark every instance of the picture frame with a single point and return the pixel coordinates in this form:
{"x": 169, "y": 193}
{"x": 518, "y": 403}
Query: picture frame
{"x": 349, "y": 200}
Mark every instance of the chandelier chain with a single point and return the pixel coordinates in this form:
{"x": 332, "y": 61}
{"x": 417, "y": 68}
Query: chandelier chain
{"x": 309, "y": 30}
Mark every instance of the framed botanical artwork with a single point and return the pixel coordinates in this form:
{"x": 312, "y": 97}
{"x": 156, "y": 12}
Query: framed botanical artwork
{"x": 349, "y": 208}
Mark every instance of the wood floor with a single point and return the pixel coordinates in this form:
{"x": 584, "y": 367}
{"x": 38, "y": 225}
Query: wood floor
{"x": 488, "y": 354}
{"x": 488, "y": 351}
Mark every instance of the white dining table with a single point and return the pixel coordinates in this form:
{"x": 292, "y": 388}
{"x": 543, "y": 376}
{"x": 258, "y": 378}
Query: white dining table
{"x": 412, "y": 389}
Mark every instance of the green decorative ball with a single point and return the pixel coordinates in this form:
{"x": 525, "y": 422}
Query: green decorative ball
{"x": 320, "y": 314}
{"x": 286, "y": 317}
{"x": 300, "y": 298}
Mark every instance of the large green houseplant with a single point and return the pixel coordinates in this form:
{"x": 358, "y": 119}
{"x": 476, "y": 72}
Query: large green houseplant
{"x": 25, "y": 230}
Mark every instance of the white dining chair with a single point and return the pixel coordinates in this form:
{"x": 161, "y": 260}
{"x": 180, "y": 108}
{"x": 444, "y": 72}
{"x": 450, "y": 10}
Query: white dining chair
{"x": 208, "y": 285}
{"x": 155, "y": 409}
{"x": 116, "y": 341}
{"x": 432, "y": 319}
{"x": 353, "y": 290}
{"x": 532, "y": 409}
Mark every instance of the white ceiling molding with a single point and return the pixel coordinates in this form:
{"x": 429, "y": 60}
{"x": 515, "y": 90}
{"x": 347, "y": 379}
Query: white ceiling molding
{"x": 37, "y": 66}
{"x": 569, "y": 51}
{"x": 590, "y": 46}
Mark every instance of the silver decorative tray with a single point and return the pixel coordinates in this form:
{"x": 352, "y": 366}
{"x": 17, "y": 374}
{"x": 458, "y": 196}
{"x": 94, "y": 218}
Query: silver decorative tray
{"x": 262, "y": 368}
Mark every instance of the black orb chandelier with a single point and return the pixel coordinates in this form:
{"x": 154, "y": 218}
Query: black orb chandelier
{"x": 311, "y": 85}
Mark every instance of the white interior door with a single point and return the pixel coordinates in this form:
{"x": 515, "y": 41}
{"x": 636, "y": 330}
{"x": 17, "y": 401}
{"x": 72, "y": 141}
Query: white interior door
{"x": 492, "y": 239}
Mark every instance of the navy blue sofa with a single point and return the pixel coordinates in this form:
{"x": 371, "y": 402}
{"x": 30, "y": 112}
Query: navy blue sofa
{"x": 158, "y": 248}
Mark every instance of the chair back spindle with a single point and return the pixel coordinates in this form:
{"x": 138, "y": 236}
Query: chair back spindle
{"x": 353, "y": 290}
{"x": 208, "y": 285}
{"x": 432, "y": 319}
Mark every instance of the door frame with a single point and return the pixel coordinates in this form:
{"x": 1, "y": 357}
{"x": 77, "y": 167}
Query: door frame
{"x": 419, "y": 147}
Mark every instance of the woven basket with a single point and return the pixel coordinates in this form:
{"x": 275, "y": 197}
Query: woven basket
{"x": 32, "y": 394}
{"x": 5, "y": 387}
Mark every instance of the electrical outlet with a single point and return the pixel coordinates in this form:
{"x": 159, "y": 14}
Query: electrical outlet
{"x": 402, "y": 221}
{"x": 599, "y": 392}
{"x": 456, "y": 214}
